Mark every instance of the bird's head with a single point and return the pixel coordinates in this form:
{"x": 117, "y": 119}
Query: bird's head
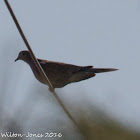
{"x": 24, "y": 55}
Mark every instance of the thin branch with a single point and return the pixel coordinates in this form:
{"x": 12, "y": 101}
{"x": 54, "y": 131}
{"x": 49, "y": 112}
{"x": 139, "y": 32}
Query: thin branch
{"x": 46, "y": 79}
{"x": 44, "y": 76}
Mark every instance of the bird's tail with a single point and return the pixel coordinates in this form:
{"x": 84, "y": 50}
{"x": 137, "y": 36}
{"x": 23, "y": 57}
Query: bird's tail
{"x": 100, "y": 70}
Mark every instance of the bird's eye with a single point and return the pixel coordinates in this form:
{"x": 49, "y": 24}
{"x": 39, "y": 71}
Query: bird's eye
{"x": 23, "y": 53}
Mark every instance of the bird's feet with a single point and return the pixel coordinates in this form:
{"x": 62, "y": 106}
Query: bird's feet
{"x": 51, "y": 89}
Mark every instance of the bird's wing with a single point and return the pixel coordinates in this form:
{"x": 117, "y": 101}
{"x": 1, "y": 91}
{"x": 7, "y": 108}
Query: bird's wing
{"x": 62, "y": 67}
{"x": 61, "y": 74}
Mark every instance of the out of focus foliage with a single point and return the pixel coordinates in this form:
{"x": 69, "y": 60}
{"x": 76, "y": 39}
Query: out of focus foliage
{"x": 35, "y": 110}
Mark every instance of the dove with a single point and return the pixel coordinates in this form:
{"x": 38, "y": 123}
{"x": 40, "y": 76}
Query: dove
{"x": 61, "y": 74}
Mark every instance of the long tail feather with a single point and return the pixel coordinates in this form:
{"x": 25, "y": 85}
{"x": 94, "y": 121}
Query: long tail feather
{"x": 99, "y": 70}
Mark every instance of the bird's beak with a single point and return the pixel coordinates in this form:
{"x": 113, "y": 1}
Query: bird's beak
{"x": 16, "y": 59}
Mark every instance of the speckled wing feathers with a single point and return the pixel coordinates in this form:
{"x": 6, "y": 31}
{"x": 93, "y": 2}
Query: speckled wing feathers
{"x": 61, "y": 74}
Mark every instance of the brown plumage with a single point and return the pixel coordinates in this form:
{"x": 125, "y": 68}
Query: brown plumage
{"x": 61, "y": 74}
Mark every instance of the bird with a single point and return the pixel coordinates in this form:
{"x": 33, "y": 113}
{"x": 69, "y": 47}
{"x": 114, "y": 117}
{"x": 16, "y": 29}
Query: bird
{"x": 60, "y": 74}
